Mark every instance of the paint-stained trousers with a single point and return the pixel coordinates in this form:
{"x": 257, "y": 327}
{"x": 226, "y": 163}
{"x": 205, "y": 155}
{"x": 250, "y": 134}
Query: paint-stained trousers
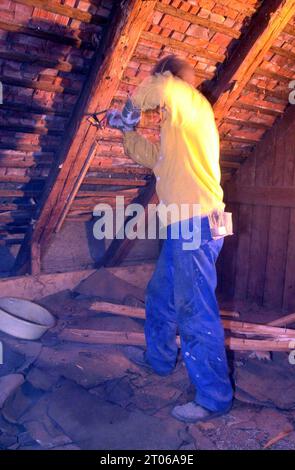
{"x": 181, "y": 298}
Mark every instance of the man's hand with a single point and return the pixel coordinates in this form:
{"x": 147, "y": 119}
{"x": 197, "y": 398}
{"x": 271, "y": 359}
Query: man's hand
{"x": 126, "y": 120}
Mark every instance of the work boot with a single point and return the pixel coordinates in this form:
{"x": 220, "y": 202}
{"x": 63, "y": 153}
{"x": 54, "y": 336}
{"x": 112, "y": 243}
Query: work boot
{"x": 192, "y": 413}
{"x": 137, "y": 356}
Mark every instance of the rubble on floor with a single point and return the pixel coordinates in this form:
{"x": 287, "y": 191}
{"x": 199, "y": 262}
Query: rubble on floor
{"x": 62, "y": 395}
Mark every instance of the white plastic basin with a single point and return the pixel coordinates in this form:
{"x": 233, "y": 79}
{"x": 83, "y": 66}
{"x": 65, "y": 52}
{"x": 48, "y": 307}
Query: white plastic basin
{"x": 24, "y": 319}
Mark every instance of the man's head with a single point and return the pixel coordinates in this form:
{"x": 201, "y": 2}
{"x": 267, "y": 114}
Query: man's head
{"x": 177, "y": 67}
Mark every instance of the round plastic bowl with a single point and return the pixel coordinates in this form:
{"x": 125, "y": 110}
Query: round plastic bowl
{"x": 24, "y": 319}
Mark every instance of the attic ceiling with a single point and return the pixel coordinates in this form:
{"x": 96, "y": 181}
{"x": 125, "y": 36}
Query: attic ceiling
{"x": 49, "y": 59}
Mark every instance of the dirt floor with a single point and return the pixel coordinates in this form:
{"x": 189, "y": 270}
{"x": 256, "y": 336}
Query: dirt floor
{"x": 62, "y": 395}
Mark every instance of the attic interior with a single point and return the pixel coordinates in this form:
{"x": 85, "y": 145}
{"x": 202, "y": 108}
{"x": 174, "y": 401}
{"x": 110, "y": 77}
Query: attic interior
{"x": 60, "y": 63}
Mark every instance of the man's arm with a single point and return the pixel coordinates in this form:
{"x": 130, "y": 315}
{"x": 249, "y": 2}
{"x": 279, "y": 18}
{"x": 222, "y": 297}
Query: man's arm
{"x": 149, "y": 95}
{"x": 140, "y": 149}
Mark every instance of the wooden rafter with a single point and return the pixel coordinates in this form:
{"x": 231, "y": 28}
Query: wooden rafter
{"x": 129, "y": 20}
{"x": 45, "y": 35}
{"x": 270, "y": 20}
{"x": 198, "y": 20}
{"x": 64, "y": 10}
{"x": 182, "y": 46}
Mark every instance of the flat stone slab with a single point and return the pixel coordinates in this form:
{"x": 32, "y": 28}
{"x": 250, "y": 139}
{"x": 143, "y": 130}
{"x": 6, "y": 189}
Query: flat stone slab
{"x": 9, "y": 383}
{"x": 20, "y": 401}
{"x": 87, "y": 366}
{"x": 267, "y": 383}
{"x": 12, "y": 359}
{"x": 96, "y": 424}
{"x": 43, "y": 379}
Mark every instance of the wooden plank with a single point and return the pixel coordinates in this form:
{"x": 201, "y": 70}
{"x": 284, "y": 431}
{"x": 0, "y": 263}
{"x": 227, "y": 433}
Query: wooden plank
{"x": 266, "y": 92}
{"x": 289, "y": 29}
{"x": 37, "y": 130}
{"x": 195, "y": 19}
{"x": 47, "y": 62}
{"x": 289, "y": 287}
{"x": 232, "y": 325}
{"x": 21, "y": 178}
{"x": 138, "y": 339}
{"x": 239, "y": 344}
{"x": 22, "y": 161}
{"x": 276, "y": 257}
{"x": 33, "y": 109}
{"x": 138, "y": 312}
{"x": 241, "y": 122}
{"x": 276, "y": 76}
{"x": 38, "y": 85}
{"x": 105, "y": 193}
{"x": 257, "y": 108}
{"x": 289, "y": 55}
{"x": 65, "y": 10}
{"x": 11, "y": 217}
{"x": 129, "y": 170}
{"x": 246, "y": 175}
{"x": 92, "y": 180}
{"x": 17, "y": 193}
{"x": 283, "y": 321}
{"x": 37, "y": 287}
{"x": 264, "y": 196}
{"x": 97, "y": 94}
{"x": 270, "y": 20}
{"x": 37, "y": 32}
{"x": 258, "y": 253}
{"x": 182, "y": 46}
{"x": 242, "y": 140}
{"x": 243, "y": 251}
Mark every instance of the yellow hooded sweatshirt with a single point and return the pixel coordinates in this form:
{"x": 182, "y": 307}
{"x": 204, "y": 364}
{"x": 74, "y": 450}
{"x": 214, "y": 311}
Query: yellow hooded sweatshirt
{"x": 186, "y": 164}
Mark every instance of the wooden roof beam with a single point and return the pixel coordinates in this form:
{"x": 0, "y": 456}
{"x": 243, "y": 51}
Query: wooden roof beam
{"x": 198, "y": 20}
{"x": 65, "y": 10}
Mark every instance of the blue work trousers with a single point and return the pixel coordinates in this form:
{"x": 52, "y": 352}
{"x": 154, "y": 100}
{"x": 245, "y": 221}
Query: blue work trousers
{"x": 181, "y": 298}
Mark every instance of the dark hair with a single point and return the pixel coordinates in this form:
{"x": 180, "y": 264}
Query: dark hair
{"x": 173, "y": 64}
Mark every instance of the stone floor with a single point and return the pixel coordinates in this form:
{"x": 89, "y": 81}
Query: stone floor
{"x": 61, "y": 395}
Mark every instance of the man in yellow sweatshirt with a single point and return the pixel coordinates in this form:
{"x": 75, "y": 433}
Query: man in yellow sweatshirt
{"x": 181, "y": 293}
